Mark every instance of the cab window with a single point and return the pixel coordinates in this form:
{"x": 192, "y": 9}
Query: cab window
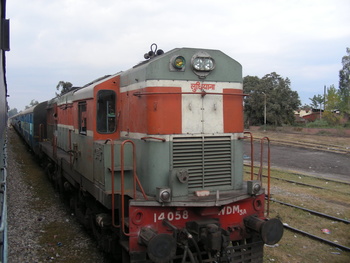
{"x": 82, "y": 118}
{"x": 106, "y": 117}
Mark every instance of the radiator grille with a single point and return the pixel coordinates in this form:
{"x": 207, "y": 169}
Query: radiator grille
{"x": 207, "y": 159}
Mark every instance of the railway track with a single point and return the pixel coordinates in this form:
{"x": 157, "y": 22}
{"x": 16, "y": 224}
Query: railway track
{"x": 334, "y": 244}
{"x": 320, "y": 178}
{"x": 305, "y": 184}
{"x": 312, "y": 211}
{"x": 298, "y": 217}
{"x": 319, "y": 214}
{"x": 319, "y": 146}
{"x": 312, "y": 236}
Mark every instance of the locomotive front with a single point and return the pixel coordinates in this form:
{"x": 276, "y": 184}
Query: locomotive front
{"x": 182, "y": 114}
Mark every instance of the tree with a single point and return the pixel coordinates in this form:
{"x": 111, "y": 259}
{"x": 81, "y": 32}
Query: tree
{"x": 64, "y": 86}
{"x": 12, "y": 112}
{"x": 332, "y": 106}
{"x": 305, "y": 107}
{"x": 281, "y": 101}
{"x": 317, "y": 101}
{"x": 344, "y": 84}
{"x": 333, "y": 99}
{"x": 31, "y": 104}
{"x": 253, "y": 106}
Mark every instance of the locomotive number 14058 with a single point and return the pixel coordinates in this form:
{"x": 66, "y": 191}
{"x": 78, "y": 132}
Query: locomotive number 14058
{"x": 170, "y": 216}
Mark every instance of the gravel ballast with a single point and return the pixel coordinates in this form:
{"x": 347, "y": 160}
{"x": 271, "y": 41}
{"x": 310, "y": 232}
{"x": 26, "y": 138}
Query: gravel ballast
{"x": 40, "y": 227}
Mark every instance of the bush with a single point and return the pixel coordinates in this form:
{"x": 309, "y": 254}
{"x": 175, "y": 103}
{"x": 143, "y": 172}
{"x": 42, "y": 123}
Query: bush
{"x": 332, "y": 118}
{"x": 347, "y": 125}
{"x": 318, "y": 124}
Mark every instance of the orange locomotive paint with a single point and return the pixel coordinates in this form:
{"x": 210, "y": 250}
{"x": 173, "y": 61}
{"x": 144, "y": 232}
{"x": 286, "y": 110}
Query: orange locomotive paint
{"x": 155, "y": 114}
{"x": 164, "y": 111}
{"x": 233, "y": 111}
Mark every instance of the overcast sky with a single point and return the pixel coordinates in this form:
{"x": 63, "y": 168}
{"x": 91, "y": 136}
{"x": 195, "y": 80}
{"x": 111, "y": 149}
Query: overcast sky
{"x": 81, "y": 40}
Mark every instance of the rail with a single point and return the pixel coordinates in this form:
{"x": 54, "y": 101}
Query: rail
{"x": 312, "y": 212}
{"x": 326, "y": 147}
{"x": 317, "y": 238}
{"x": 307, "y": 176}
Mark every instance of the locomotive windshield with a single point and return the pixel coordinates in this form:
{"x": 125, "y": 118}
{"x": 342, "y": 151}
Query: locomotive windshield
{"x": 106, "y": 122}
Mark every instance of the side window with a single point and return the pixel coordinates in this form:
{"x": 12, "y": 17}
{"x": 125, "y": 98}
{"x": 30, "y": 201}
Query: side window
{"x": 82, "y": 118}
{"x": 106, "y": 118}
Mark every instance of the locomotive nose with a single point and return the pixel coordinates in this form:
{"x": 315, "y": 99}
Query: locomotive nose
{"x": 271, "y": 231}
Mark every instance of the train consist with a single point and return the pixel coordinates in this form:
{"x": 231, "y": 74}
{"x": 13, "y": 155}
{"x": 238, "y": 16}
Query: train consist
{"x": 151, "y": 160}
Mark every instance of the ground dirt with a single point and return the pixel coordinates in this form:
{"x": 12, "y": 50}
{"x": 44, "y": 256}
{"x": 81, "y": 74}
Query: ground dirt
{"x": 304, "y": 159}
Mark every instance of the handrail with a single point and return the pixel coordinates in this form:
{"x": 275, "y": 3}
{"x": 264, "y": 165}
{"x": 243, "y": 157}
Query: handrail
{"x": 54, "y": 148}
{"x": 112, "y": 181}
{"x": 268, "y": 170}
{"x": 251, "y": 155}
{"x": 153, "y": 138}
{"x": 41, "y": 128}
{"x": 135, "y": 177}
{"x": 203, "y": 93}
{"x": 135, "y": 181}
{"x": 70, "y": 146}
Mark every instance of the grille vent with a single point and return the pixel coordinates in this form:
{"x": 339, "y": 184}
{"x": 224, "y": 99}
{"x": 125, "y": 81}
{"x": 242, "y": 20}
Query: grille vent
{"x": 207, "y": 159}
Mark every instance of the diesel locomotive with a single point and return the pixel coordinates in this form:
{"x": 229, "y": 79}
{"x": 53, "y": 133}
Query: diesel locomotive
{"x": 151, "y": 160}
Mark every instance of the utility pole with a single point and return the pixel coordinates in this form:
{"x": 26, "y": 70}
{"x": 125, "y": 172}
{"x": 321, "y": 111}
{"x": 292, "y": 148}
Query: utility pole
{"x": 264, "y": 111}
{"x": 324, "y": 102}
{"x": 324, "y": 98}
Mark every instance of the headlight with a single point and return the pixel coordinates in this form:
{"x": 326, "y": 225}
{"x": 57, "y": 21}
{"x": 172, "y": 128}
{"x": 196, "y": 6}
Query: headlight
{"x": 203, "y": 64}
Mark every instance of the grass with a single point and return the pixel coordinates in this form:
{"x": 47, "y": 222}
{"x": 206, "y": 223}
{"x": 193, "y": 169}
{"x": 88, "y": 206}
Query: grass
{"x": 296, "y": 247}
